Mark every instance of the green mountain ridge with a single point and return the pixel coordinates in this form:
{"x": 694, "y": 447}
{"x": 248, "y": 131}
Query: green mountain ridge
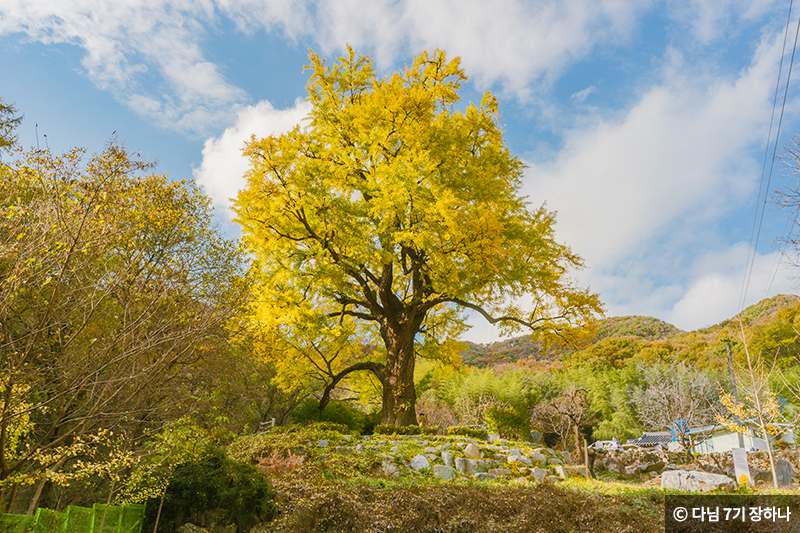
{"x": 630, "y": 327}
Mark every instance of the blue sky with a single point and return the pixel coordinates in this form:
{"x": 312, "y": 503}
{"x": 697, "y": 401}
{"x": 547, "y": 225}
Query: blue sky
{"x": 643, "y": 123}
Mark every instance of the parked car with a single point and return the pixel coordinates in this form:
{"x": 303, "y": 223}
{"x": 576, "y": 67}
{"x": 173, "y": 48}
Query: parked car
{"x": 609, "y": 445}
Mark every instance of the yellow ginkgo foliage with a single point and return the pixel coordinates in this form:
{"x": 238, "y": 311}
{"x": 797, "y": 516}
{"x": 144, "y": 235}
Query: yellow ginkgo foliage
{"x": 389, "y": 214}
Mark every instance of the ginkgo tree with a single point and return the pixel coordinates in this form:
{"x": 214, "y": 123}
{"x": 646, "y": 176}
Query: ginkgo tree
{"x": 387, "y": 215}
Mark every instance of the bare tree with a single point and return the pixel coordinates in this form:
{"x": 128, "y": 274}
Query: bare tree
{"x": 674, "y": 397}
{"x": 564, "y": 414}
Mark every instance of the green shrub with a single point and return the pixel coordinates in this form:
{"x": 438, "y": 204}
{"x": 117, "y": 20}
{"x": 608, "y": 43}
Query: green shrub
{"x": 508, "y": 422}
{"x": 475, "y": 433}
{"x": 390, "y": 429}
{"x": 241, "y": 493}
{"x": 336, "y": 411}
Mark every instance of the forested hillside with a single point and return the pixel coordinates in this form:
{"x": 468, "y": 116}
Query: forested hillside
{"x": 645, "y": 333}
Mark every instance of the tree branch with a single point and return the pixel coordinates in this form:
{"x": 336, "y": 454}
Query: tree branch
{"x": 375, "y": 368}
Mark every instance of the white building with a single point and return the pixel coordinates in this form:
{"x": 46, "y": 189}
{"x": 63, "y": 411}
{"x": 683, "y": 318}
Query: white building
{"x": 711, "y": 439}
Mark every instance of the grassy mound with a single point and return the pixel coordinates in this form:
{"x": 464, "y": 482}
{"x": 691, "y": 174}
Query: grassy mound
{"x": 460, "y": 508}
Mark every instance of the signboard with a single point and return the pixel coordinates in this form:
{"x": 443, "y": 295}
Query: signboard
{"x": 741, "y": 467}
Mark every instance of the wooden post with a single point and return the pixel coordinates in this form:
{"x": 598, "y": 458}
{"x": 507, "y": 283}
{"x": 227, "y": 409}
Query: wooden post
{"x": 586, "y": 457}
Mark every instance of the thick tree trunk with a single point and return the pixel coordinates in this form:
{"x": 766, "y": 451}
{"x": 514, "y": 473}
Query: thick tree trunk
{"x": 399, "y": 396}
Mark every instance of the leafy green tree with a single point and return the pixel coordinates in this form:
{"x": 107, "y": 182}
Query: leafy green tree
{"x": 389, "y": 213}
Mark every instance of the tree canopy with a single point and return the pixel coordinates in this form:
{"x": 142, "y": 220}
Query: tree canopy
{"x": 388, "y": 214}
{"x": 114, "y": 281}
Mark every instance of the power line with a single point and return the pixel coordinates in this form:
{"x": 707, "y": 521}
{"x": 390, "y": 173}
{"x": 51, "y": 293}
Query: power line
{"x": 762, "y": 207}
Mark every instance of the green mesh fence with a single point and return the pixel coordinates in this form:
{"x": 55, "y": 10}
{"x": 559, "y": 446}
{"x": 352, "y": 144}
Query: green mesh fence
{"x": 132, "y": 518}
{"x": 16, "y": 523}
{"x": 79, "y": 519}
{"x": 106, "y": 518}
{"x": 49, "y": 521}
{"x": 126, "y": 519}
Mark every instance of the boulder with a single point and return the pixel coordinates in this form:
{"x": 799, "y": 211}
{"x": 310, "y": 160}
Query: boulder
{"x": 322, "y": 443}
{"x": 784, "y": 470}
{"x": 447, "y": 458}
{"x": 695, "y": 480}
{"x": 515, "y": 452}
{"x": 500, "y": 458}
{"x": 389, "y": 468}
{"x": 420, "y": 462}
{"x": 500, "y": 471}
{"x": 612, "y": 464}
{"x": 540, "y": 473}
{"x": 555, "y": 461}
{"x": 567, "y": 472}
{"x": 466, "y": 466}
{"x": 190, "y": 528}
{"x": 539, "y": 458}
{"x": 520, "y": 459}
{"x": 761, "y": 474}
{"x": 484, "y": 476}
{"x": 566, "y": 457}
{"x": 444, "y": 472}
{"x": 473, "y": 451}
{"x": 646, "y": 468}
{"x": 432, "y": 449}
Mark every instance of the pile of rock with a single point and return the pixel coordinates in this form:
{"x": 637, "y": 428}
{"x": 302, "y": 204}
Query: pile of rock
{"x": 476, "y": 460}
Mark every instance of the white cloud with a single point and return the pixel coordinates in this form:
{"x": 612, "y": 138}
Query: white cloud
{"x": 150, "y": 51}
{"x": 581, "y": 96}
{"x": 678, "y": 155}
{"x": 222, "y": 170}
{"x": 513, "y": 42}
{"x": 129, "y": 43}
{"x": 715, "y": 292}
{"x": 710, "y": 20}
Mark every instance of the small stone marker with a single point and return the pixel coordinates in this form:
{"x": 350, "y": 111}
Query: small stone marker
{"x": 784, "y": 470}
{"x": 741, "y": 467}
